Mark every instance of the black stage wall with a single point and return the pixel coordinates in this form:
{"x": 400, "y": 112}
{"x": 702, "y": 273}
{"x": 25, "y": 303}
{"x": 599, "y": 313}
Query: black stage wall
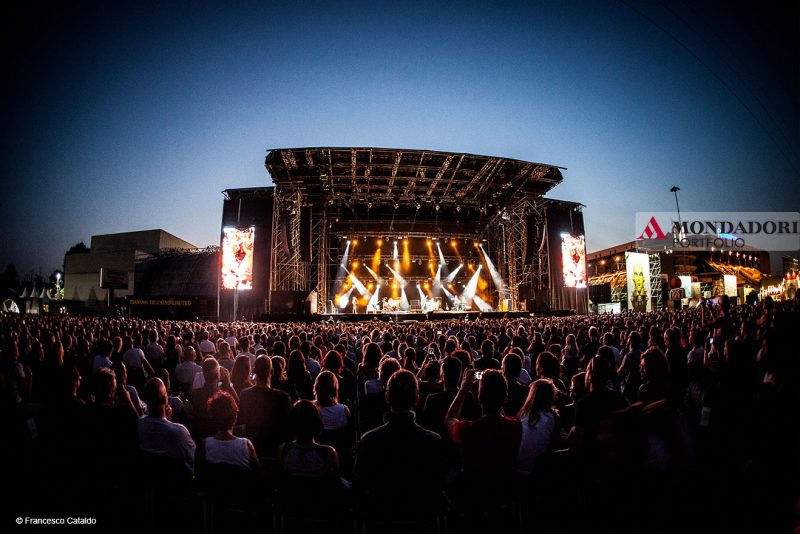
{"x": 563, "y": 218}
{"x": 244, "y": 208}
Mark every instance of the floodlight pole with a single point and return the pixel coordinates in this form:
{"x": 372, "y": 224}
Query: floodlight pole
{"x": 675, "y": 190}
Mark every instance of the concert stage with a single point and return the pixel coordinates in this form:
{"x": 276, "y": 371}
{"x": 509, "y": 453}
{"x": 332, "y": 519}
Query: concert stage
{"x": 349, "y": 229}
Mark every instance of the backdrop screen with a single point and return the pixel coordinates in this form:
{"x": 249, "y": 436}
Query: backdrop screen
{"x": 237, "y": 258}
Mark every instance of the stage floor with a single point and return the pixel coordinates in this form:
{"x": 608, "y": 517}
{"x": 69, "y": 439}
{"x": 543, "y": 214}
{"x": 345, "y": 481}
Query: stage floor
{"x": 410, "y": 316}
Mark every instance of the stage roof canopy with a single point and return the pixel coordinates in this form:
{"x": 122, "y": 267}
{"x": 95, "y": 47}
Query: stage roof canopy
{"x": 387, "y": 176}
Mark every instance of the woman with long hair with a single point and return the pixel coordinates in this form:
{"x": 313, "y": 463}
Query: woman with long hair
{"x": 541, "y": 428}
{"x": 569, "y": 355}
{"x": 240, "y": 374}
{"x": 326, "y": 396}
{"x": 224, "y": 447}
{"x": 298, "y": 376}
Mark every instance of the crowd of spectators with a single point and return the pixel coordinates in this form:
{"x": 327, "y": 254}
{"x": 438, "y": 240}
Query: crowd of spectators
{"x": 672, "y": 420}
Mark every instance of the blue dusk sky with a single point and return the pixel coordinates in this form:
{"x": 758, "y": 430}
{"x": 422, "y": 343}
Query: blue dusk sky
{"x": 122, "y": 116}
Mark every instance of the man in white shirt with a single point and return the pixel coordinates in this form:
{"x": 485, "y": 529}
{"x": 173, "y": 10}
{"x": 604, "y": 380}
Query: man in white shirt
{"x": 133, "y": 358}
{"x": 206, "y": 346}
{"x": 157, "y": 434}
{"x": 244, "y": 344}
{"x": 186, "y": 371}
{"x": 154, "y": 351}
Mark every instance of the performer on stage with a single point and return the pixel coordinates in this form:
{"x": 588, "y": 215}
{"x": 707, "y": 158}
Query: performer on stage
{"x": 355, "y": 305}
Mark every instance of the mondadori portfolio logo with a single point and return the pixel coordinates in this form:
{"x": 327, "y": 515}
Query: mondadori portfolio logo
{"x": 769, "y": 231}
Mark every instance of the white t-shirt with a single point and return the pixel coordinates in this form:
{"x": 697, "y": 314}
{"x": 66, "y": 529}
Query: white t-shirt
{"x": 133, "y": 357}
{"x": 207, "y": 347}
{"x": 100, "y": 362}
{"x": 524, "y": 378}
{"x": 333, "y": 417}
{"x": 227, "y": 451}
{"x": 536, "y": 440}
{"x": 696, "y": 355}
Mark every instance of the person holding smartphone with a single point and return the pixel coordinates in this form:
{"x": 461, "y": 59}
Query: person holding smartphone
{"x": 488, "y": 445}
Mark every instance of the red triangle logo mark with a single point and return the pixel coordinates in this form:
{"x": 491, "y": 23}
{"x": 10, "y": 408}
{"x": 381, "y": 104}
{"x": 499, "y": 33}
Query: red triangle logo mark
{"x": 652, "y": 231}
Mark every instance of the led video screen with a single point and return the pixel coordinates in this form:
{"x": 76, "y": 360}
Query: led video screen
{"x": 237, "y": 258}
{"x": 573, "y": 259}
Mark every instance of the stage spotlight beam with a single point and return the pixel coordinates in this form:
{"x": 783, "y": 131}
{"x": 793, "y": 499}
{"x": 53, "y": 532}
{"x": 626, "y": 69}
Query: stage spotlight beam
{"x": 373, "y": 273}
{"x": 344, "y": 299}
{"x": 452, "y": 275}
{"x": 481, "y": 304}
{"x": 469, "y": 291}
{"x": 400, "y": 280}
{"x": 493, "y": 272}
{"x": 373, "y": 300}
{"x": 362, "y": 289}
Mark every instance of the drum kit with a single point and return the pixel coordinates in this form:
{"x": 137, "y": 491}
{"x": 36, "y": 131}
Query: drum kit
{"x": 391, "y": 305}
{"x": 433, "y": 304}
{"x": 459, "y": 304}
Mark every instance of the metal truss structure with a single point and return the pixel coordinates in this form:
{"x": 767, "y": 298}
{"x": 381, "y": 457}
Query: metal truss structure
{"x": 655, "y": 282}
{"x": 289, "y": 273}
{"x": 380, "y": 192}
{"x": 509, "y": 241}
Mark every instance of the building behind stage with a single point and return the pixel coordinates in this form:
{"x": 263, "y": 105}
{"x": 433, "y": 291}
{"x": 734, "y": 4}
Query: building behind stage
{"x": 117, "y": 253}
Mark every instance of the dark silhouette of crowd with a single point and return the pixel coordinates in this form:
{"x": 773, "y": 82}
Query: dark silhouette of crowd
{"x": 667, "y": 421}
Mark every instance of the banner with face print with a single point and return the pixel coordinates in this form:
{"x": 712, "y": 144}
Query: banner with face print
{"x": 637, "y": 267}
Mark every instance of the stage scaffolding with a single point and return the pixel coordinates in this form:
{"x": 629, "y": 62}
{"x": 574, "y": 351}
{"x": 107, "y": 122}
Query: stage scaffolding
{"x": 655, "y": 282}
{"x": 289, "y": 273}
{"x": 510, "y": 244}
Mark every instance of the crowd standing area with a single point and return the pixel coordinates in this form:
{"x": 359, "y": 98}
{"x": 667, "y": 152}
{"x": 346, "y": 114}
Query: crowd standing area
{"x": 667, "y": 421}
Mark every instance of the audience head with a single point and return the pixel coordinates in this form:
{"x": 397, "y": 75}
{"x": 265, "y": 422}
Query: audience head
{"x": 547, "y": 365}
{"x": 578, "y": 386}
{"x": 492, "y": 391}
{"x": 540, "y": 398}
{"x": 512, "y": 366}
{"x": 451, "y": 371}
{"x": 211, "y": 371}
{"x": 333, "y": 362}
{"x": 387, "y": 368}
{"x": 104, "y": 385}
{"x": 402, "y": 391}
{"x": 326, "y": 389}
{"x": 155, "y": 396}
{"x": 598, "y": 373}
{"x": 222, "y": 411}
{"x": 163, "y": 374}
{"x": 263, "y": 370}
{"x": 654, "y": 367}
{"x": 305, "y": 420}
